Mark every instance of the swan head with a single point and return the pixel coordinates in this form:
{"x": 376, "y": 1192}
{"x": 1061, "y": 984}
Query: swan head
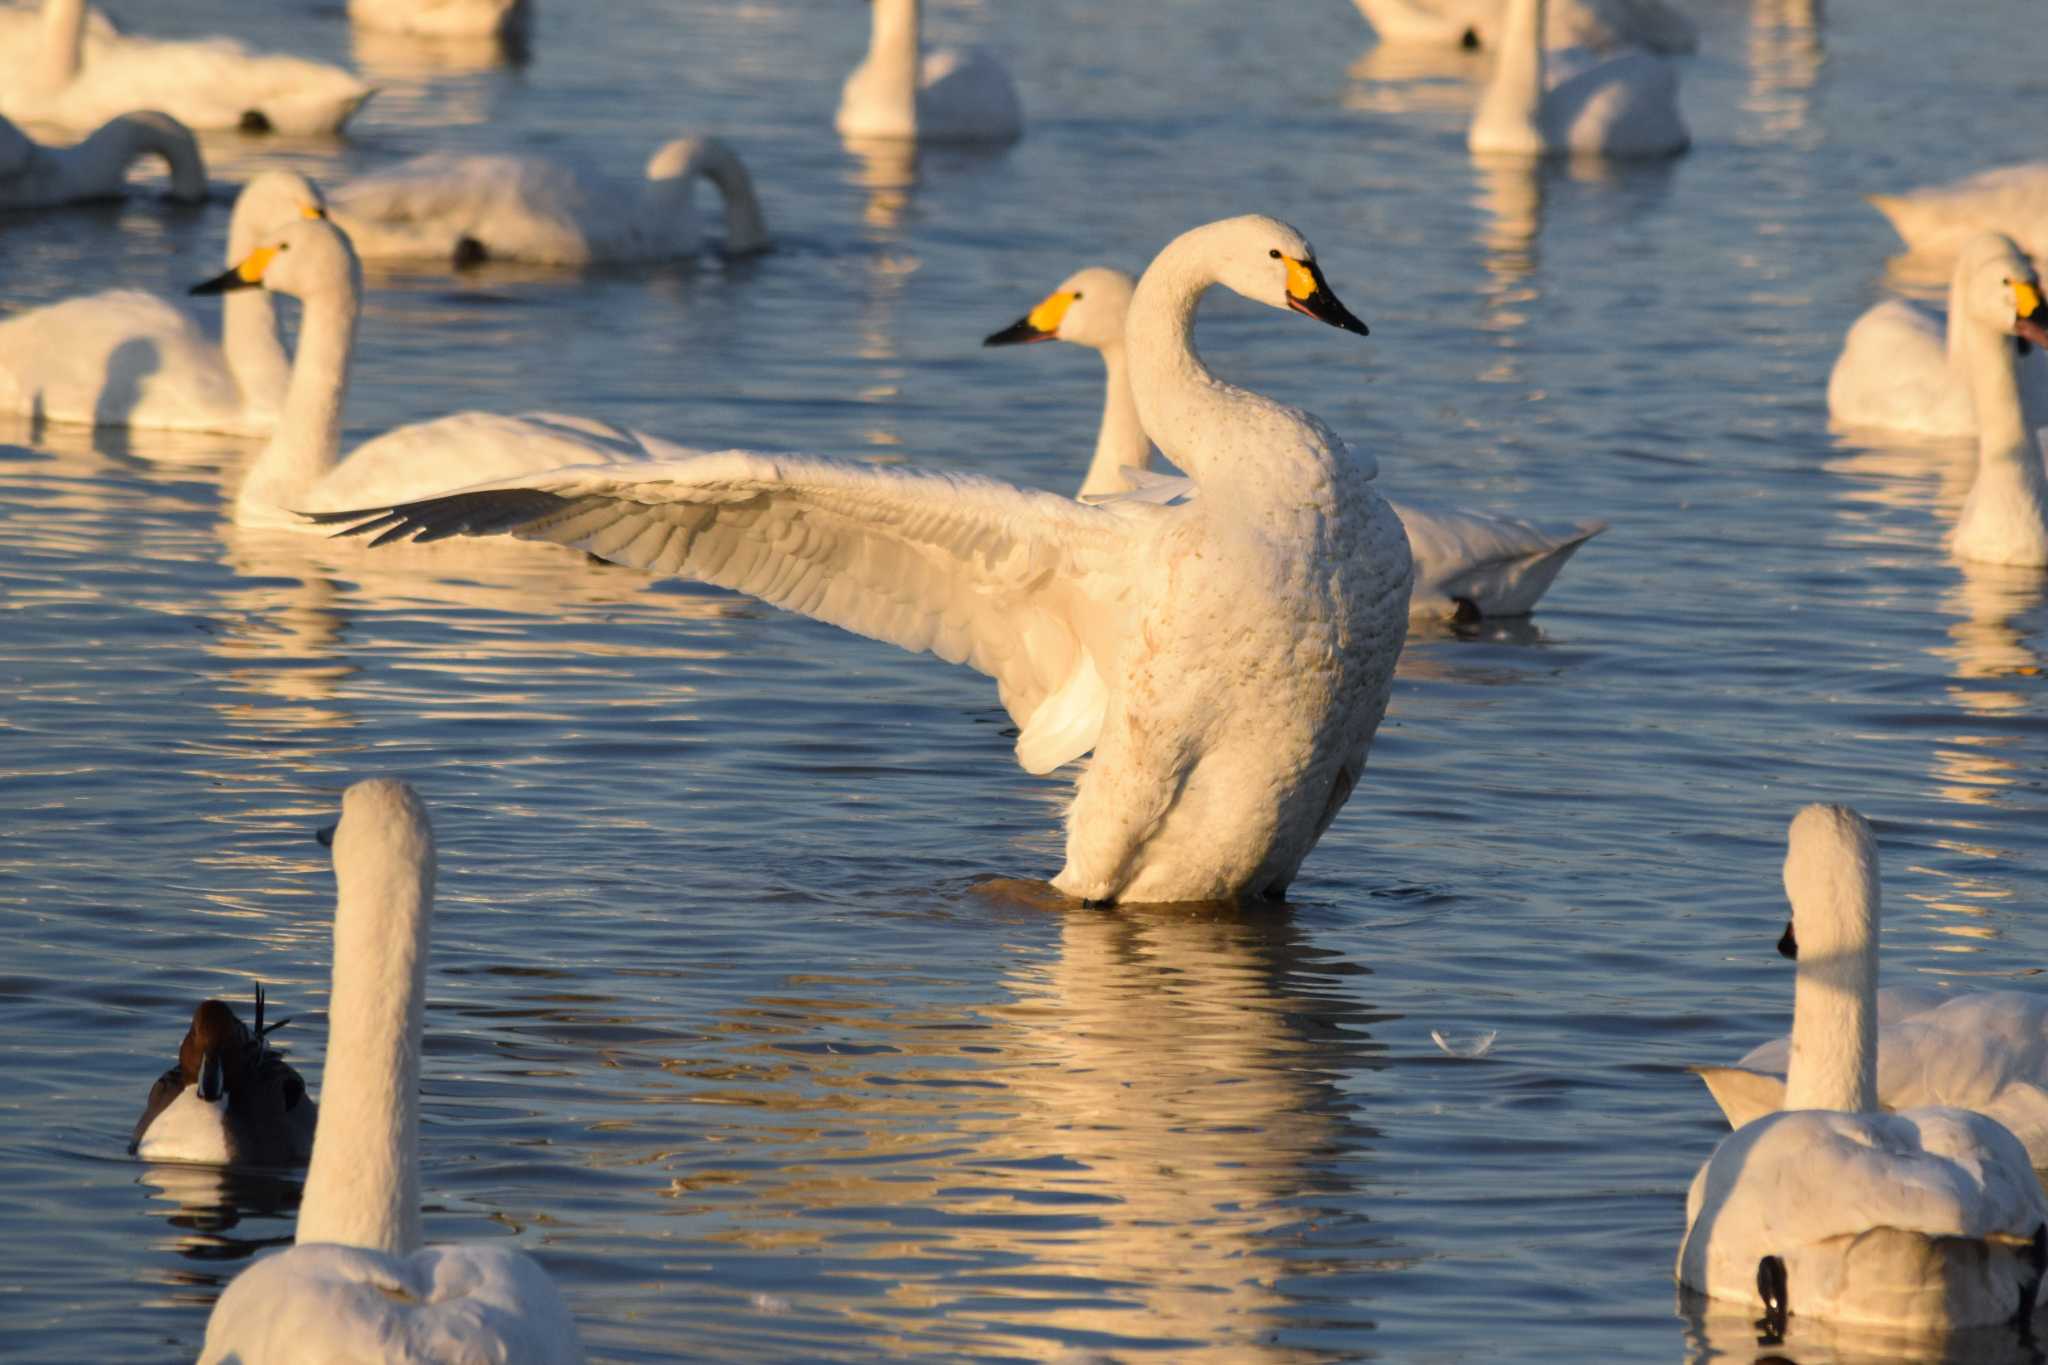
{"x": 1996, "y": 283}
{"x": 1087, "y": 309}
{"x": 1831, "y": 882}
{"x": 384, "y": 843}
{"x": 309, "y": 258}
{"x": 269, "y": 204}
{"x": 1268, "y": 262}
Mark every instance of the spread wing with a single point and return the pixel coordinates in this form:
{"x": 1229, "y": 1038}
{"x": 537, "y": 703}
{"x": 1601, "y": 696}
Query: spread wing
{"x": 1028, "y": 587}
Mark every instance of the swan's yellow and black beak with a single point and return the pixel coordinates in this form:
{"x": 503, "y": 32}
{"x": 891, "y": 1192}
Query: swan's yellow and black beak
{"x": 2029, "y": 317}
{"x": 247, "y": 275}
{"x": 1788, "y": 943}
{"x": 1308, "y": 292}
{"x": 1040, "y": 324}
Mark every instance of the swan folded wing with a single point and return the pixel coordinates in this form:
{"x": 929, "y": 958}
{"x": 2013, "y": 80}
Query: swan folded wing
{"x": 1027, "y": 587}
{"x": 525, "y": 207}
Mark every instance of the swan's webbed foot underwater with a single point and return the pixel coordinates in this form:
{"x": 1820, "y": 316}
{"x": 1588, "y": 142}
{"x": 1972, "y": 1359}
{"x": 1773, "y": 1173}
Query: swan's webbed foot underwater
{"x": 1773, "y": 1288}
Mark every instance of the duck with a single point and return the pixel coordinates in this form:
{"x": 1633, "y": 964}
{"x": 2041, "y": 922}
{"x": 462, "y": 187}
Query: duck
{"x": 302, "y": 467}
{"x": 1938, "y": 221}
{"x": 1602, "y": 25}
{"x": 903, "y": 93}
{"x": 1468, "y": 565}
{"x": 359, "y": 1281}
{"x": 130, "y": 358}
{"x": 441, "y": 18}
{"x": 1622, "y": 106}
{"x": 78, "y": 75}
{"x": 230, "y": 1100}
{"x": 465, "y": 210}
{"x": 33, "y": 176}
{"x": 1986, "y": 1051}
{"x": 1227, "y": 659}
{"x": 1905, "y": 370}
{"x": 1927, "y": 1219}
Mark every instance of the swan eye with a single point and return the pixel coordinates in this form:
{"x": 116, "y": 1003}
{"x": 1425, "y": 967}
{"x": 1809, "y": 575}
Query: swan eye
{"x": 1077, "y": 296}
{"x": 1274, "y": 253}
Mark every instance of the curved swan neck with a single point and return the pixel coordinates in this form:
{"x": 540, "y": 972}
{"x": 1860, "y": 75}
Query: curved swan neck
{"x": 63, "y": 41}
{"x": 1831, "y": 878}
{"x": 307, "y": 443}
{"x": 1511, "y": 110}
{"x": 1120, "y": 441}
{"x": 363, "y": 1187}
{"x": 673, "y": 172}
{"x": 106, "y": 154}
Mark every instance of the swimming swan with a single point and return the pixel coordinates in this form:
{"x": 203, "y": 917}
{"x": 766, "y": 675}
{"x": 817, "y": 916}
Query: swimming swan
{"x": 1927, "y": 1219}
{"x": 302, "y": 467}
{"x": 1939, "y": 220}
{"x": 901, "y": 91}
{"x": 1905, "y": 369}
{"x": 1598, "y": 24}
{"x": 1997, "y": 299}
{"x": 467, "y": 209}
{"x": 1986, "y": 1052}
{"x": 1466, "y": 563}
{"x": 441, "y": 18}
{"x": 231, "y": 1099}
{"x": 81, "y": 80}
{"x": 128, "y": 358}
{"x": 1625, "y": 105}
{"x": 359, "y": 1285}
{"x": 33, "y": 176}
{"x": 1227, "y": 660}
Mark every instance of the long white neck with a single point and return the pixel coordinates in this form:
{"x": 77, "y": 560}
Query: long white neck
{"x": 1120, "y": 442}
{"x": 671, "y": 177}
{"x": 63, "y": 41}
{"x": 1834, "y": 1028}
{"x": 363, "y": 1187}
{"x": 307, "y": 443}
{"x": 102, "y": 160}
{"x": 893, "y": 58}
{"x": 1509, "y": 116}
{"x": 248, "y": 331}
{"x": 2005, "y": 518}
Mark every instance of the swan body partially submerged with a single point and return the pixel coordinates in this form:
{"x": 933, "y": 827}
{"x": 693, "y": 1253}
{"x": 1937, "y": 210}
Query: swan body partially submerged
{"x": 1466, "y": 563}
{"x": 1623, "y": 106}
{"x": 441, "y": 18}
{"x": 1939, "y": 220}
{"x": 902, "y": 92}
{"x": 1477, "y": 24}
{"x": 35, "y": 176}
{"x": 1227, "y": 660}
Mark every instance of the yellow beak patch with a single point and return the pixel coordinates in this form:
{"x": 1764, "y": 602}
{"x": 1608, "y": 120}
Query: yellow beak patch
{"x": 1301, "y": 281}
{"x": 2026, "y": 297}
{"x": 312, "y": 211}
{"x": 1047, "y": 316}
{"x": 255, "y": 263}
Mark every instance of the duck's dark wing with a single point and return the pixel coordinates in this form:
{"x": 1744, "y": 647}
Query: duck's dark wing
{"x": 160, "y": 1096}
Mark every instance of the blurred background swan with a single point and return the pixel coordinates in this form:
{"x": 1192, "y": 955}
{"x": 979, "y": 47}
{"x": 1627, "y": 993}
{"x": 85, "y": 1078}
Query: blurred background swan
{"x": 947, "y": 95}
{"x": 1600, "y": 24}
{"x": 35, "y": 176}
{"x": 1623, "y": 105}
{"x": 441, "y": 18}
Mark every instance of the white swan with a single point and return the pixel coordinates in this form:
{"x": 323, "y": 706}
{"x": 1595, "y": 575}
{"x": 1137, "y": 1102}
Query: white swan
{"x": 1466, "y": 563}
{"x": 302, "y": 468}
{"x": 127, "y": 358}
{"x": 1927, "y": 1219}
{"x": 1227, "y": 660}
{"x": 1986, "y": 1052}
{"x": 80, "y": 79}
{"x": 1599, "y": 24}
{"x": 230, "y": 1100}
{"x": 1625, "y": 105}
{"x": 901, "y": 91}
{"x": 441, "y": 18}
{"x": 467, "y": 209}
{"x": 33, "y": 176}
{"x": 1939, "y": 220}
{"x": 359, "y": 1284}
{"x": 1905, "y": 369}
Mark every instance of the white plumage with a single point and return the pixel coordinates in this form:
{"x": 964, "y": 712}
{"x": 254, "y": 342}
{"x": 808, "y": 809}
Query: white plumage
{"x": 127, "y": 358}
{"x": 359, "y": 1285}
{"x": 1624, "y": 105}
{"x": 34, "y": 176}
{"x": 903, "y": 92}
{"x": 1464, "y": 561}
{"x": 441, "y": 18}
{"x": 1599, "y": 24}
{"x": 1228, "y": 660}
{"x": 529, "y": 208}
{"x": 1924, "y": 1220}
{"x": 1939, "y": 220}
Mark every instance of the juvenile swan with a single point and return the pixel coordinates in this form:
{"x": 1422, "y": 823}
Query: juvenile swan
{"x": 127, "y": 358}
{"x": 360, "y": 1285}
{"x": 230, "y": 1100}
{"x": 1923, "y": 1220}
{"x": 33, "y": 176}
{"x": 1466, "y": 563}
{"x": 904, "y": 92}
{"x": 1905, "y": 370}
{"x": 1623, "y": 106}
{"x": 1227, "y": 660}
{"x": 468, "y": 209}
